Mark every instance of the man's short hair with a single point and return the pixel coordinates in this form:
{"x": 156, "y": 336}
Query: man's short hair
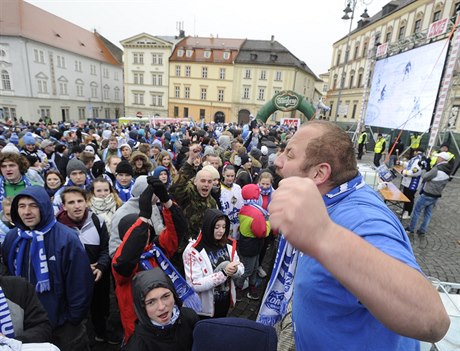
{"x": 72, "y": 189}
{"x": 86, "y": 157}
{"x": 333, "y": 147}
{"x": 19, "y": 159}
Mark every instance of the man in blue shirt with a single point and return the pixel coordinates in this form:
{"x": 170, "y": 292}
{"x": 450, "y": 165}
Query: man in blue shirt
{"x": 357, "y": 285}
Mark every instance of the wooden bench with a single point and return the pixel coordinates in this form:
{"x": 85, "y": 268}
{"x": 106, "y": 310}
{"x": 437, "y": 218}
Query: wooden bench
{"x": 393, "y": 196}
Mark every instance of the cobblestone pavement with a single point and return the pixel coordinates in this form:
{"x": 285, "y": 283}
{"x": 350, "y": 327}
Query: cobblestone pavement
{"x": 438, "y": 253}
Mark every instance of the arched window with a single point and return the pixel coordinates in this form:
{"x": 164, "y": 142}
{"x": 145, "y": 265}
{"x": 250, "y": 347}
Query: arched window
{"x": 6, "y": 83}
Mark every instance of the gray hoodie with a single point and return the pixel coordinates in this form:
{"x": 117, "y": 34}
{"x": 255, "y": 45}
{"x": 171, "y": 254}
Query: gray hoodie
{"x": 132, "y": 206}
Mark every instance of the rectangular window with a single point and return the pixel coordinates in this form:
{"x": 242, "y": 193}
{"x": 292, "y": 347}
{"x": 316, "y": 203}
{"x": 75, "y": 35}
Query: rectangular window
{"x": 117, "y": 94}
{"x": 176, "y": 111}
{"x": 42, "y": 56}
{"x": 402, "y": 33}
{"x": 178, "y": 71}
{"x": 154, "y": 79}
{"x": 246, "y": 93}
{"x": 79, "y": 90}
{"x": 106, "y": 93}
{"x": 45, "y": 112}
{"x": 188, "y": 70}
{"x": 261, "y": 94}
{"x": 107, "y": 112}
{"x": 263, "y": 75}
{"x": 42, "y": 86}
{"x": 93, "y": 69}
{"x": 115, "y": 75}
{"x": 356, "y": 53}
{"x": 360, "y": 80}
{"x": 39, "y": 56}
{"x": 278, "y": 76}
{"x": 247, "y": 74}
{"x": 185, "y": 111}
{"x": 154, "y": 100}
{"x": 160, "y": 59}
{"x": 202, "y": 113}
{"x": 154, "y": 59}
{"x": 222, "y": 73}
{"x": 94, "y": 92}
{"x": 364, "y": 55}
{"x": 203, "y": 93}
{"x": 138, "y": 58}
{"x": 138, "y": 98}
{"x": 436, "y": 16}
{"x": 78, "y": 66}
{"x": 177, "y": 92}
{"x": 36, "y": 56}
{"x": 138, "y": 78}
{"x": 63, "y": 88}
{"x": 105, "y": 72}
{"x": 204, "y": 72}
{"x": 81, "y": 113}
{"x": 160, "y": 80}
{"x": 418, "y": 26}
{"x": 160, "y": 100}
{"x": 388, "y": 37}
{"x": 186, "y": 92}
{"x": 353, "y": 113}
{"x": 220, "y": 95}
{"x": 95, "y": 112}
{"x": 60, "y": 61}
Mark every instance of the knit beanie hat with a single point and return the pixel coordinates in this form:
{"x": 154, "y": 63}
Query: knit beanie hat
{"x": 133, "y": 134}
{"x": 264, "y": 150}
{"x": 244, "y": 159}
{"x": 14, "y": 139}
{"x": 250, "y": 192}
{"x": 75, "y": 165}
{"x": 106, "y": 134}
{"x": 157, "y": 143}
{"x": 256, "y": 153}
{"x": 28, "y": 139}
{"x": 124, "y": 167}
{"x": 10, "y": 147}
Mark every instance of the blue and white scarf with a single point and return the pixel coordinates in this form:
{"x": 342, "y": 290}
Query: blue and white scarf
{"x": 37, "y": 255}
{"x": 106, "y": 151}
{"x": 257, "y": 204}
{"x": 280, "y": 287}
{"x": 188, "y": 296}
{"x": 6, "y": 323}
{"x": 124, "y": 193}
{"x": 2, "y": 187}
{"x": 267, "y": 192}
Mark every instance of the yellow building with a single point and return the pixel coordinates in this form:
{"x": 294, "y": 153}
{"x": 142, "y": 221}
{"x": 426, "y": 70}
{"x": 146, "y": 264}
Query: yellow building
{"x": 402, "y": 25}
{"x": 263, "y": 68}
{"x": 201, "y": 78}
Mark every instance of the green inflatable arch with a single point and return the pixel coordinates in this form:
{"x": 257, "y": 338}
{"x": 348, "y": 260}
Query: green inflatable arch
{"x": 285, "y": 101}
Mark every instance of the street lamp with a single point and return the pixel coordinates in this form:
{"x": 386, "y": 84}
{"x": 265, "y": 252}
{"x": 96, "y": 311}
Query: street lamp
{"x": 349, "y": 14}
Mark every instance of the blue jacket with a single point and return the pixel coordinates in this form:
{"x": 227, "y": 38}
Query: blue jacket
{"x": 69, "y": 268}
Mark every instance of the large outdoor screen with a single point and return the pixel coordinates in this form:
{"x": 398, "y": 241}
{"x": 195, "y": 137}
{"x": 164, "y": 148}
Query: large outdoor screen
{"x": 404, "y": 88}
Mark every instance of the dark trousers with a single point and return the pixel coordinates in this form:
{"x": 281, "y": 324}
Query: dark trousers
{"x": 70, "y": 337}
{"x": 360, "y": 151}
{"x": 377, "y": 158}
{"x": 100, "y": 305}
{"x": 408, "y": 206}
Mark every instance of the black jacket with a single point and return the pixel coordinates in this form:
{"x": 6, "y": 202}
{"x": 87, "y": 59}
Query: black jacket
{"x": 23, "y": 302}
{"x": 147, "y": 337}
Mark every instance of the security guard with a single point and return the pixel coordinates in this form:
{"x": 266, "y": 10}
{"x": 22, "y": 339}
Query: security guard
{"x": 415, "y": 140}
{"x": 379, "y": 149}
{"x": 362, "y": 141}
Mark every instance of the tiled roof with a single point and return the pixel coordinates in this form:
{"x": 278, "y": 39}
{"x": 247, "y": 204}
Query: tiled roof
{"x": 269, "y": 52}
{"x": 19, "y": 18}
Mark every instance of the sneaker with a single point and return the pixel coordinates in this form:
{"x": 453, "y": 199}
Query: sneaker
{"x": 406, "y": 215}
{"x": 114, "y": 339}
{"x": 261, "y": 272}
{"x": 239, "y": 294}
{"x": 99, "y": 338}
{"x": 408, "y": 230}
{"x": 253, "y": 294}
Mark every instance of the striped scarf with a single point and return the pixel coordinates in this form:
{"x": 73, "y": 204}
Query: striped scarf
{"x": 2, "y": 187}
{"x": 6, "y": 323}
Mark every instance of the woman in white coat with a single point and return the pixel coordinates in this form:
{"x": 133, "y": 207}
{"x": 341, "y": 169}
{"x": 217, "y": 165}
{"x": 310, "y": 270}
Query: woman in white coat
{"x": 211, "y": 263}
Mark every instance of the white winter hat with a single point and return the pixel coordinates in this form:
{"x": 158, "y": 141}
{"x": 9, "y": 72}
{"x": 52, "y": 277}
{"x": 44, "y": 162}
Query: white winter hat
{"x": 264, "y": 150}
{"x": 444, "y": 155}
{"x": 10, "y": 147}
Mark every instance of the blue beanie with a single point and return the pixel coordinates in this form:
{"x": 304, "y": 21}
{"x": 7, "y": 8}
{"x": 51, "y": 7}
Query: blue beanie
{"x": 14, "y": 139}
{"x": 141, "y": 132}
{"x": 28, "y": 139}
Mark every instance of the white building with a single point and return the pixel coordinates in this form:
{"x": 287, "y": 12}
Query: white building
{"x": 52, "y": 68}
{"x": 146, "y": 69}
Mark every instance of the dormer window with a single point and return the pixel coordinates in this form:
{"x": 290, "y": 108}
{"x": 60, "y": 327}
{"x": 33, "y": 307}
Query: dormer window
{"x": 207, "y": 54}
{"x": 226, "y": 55}
{"x": 253, "y": 57}
{"x": 189, "y": 53}
{"x": 273, "y": 57}
{"x": 180, "y": 53}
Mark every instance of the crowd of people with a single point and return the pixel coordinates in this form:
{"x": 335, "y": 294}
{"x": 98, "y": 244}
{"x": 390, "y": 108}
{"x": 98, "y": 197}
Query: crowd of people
{"x": 177, "y": 219}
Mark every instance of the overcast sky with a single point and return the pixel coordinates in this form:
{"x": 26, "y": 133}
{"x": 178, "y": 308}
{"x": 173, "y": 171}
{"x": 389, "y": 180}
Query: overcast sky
{"x": 307, "y": 28}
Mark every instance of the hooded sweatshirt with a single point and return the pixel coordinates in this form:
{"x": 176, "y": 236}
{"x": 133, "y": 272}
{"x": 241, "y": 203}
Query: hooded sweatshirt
{"x": 69, "y": 269}
{"x": 175, "y": 337}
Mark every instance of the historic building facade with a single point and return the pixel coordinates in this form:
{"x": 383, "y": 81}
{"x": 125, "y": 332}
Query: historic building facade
{"x": 51, "y": 68}
{"x": 401, "y": 25}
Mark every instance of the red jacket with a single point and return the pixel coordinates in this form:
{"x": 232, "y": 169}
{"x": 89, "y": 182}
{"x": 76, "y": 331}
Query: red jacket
{"x": 125, "y": 262}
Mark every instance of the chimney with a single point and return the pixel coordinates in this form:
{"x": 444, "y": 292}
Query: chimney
{"x": 272, "y": 40}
